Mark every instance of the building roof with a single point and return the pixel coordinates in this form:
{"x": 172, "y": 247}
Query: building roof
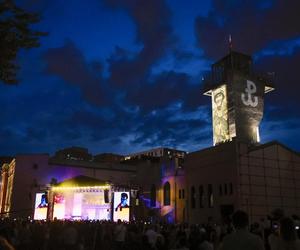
{"x": 156, "y": 150}
{"x": 272, "y": 143}
{"x": 212, "y": 149}
{"x": 82, "y": 181}
{"x": 93, "y": 165}
{"x": 221, "y": 146}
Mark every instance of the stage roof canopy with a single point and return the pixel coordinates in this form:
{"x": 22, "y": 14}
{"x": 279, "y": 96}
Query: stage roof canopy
{"x": 82, "y": 181}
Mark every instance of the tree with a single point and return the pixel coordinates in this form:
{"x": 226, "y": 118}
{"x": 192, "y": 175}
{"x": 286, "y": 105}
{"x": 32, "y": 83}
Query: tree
{"x": 15, "y": 34}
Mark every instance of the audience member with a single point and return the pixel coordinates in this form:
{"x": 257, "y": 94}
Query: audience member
{"x": 241, "y": 238}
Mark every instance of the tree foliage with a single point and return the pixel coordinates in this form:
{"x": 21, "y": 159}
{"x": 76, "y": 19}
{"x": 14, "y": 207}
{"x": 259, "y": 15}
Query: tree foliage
{"x": 15, "y": 34}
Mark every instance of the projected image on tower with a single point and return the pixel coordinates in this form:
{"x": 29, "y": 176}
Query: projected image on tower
{"x": 220, "y": 115}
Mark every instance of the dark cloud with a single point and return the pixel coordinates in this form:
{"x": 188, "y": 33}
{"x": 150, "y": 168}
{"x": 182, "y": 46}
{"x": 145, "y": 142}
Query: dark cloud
{"x": 281, "y": 117}
{"x": 6, "y": 134}
{"x": 167, "y": 88}
{"x": 83, "y": 118}
{"x": 253, "y": 24}
{"x": 184, "y": 56}
{"x": 292, "y": 124}
{"x": 161, "y": 130}
{"x": 286, "y": 95}
{"x": 35, "y": 134}
{"x": 153, "y": 32}
{"x": 130, "y": 83}
{"x": 122, "y": 104}
{"x": 139, "y": 102}
{"x": 69, "y": 63}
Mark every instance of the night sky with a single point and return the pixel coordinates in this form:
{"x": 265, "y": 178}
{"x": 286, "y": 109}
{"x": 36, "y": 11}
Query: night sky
{"x": 126, "y": 75}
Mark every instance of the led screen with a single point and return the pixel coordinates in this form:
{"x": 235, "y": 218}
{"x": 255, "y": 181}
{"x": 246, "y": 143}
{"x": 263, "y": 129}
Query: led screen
{"x": 59, "y": 206}
{"x": 81, "y": 205}
{"x": 121, "y": 206}
{"x": 40, "y": 207}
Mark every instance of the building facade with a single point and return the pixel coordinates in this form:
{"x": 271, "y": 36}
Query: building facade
{"x": 236, "y": 175}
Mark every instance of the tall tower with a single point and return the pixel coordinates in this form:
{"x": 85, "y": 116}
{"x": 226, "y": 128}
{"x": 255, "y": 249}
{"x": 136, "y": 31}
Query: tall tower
{"x": 237, "y": 96}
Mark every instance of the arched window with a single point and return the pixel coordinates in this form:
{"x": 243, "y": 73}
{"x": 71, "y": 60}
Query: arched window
{"x": 193, "y": 197}
{"x": 153, "y": 196}
{"x": 167, "y": 194}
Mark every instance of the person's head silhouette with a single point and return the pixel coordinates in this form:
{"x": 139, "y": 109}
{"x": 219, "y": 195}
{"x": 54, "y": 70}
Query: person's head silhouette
{"x": 240, "y": 219}
{"x": 124, "y": 199}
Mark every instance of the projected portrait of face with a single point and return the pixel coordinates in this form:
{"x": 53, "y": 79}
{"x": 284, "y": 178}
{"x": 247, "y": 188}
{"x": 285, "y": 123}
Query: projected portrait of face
{"x": 218, "y": 99}
{"x": 124, "y": 202}
{"x": 43, "y": 202}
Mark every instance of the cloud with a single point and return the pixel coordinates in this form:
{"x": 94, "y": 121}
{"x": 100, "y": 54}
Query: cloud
{"x": 69, "y": 63}
{"x": 153, "y": 32}
{"x": 162, "y": 128}
{"x": 131, "y": 83}
{"x": 165, "y": 89}
{"x": 287, "y": 88}
{"x": 253, "y": 24}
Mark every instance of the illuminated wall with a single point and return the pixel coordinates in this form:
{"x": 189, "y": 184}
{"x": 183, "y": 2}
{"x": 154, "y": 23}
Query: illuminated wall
{"x": 237, "y": 109}
{"x": 247, "y": 106}
{"x": 237, "y": 94}
{"x": 175, "y": 210}
{"x": 220, "y": 115}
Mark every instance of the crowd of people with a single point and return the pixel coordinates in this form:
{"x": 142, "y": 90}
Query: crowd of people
{"x": 107, "y": 235}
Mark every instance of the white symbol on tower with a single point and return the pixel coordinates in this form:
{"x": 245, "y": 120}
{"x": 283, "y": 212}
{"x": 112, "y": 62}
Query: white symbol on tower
{"x": 251, "y": 100}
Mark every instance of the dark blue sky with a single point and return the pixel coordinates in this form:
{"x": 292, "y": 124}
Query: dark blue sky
{"x": 125, "y": 75}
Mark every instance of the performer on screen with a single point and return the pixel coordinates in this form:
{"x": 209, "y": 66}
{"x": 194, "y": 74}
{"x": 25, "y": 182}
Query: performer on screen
{"x": 43, "y": 201}
{"x": 123, "y": 203}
